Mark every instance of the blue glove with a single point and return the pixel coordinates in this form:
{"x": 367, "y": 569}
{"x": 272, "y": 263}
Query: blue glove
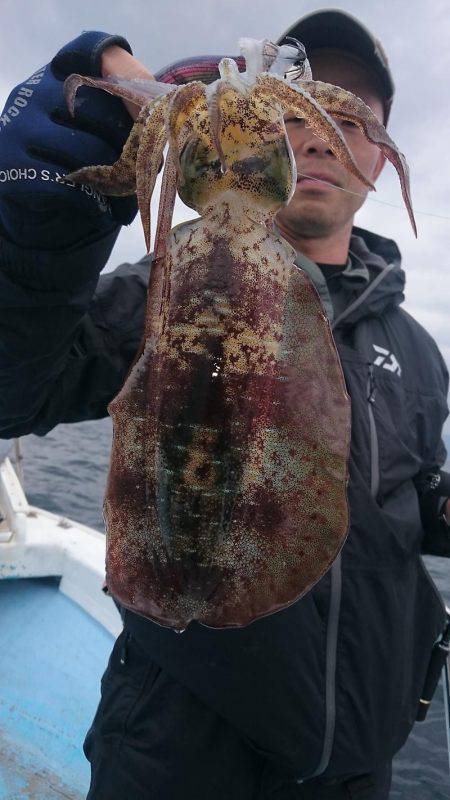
{"x": 40, "y": 142}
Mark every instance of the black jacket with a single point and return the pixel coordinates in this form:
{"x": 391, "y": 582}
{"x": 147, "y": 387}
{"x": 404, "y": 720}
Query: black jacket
{"x": 330, "y": 685}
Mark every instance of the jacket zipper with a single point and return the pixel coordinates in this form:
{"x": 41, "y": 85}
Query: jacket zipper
{"x": 375, "y": 470}
{"x": 336, "y": 570}
{"x": 331, "y": 657}
{"x": 336, "y": 593}
{"x": 374, "y": 449}
{"x": 330, "y": 669}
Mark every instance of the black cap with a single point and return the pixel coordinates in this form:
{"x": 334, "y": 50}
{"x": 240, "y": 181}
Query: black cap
{"x": 331, "y": 27}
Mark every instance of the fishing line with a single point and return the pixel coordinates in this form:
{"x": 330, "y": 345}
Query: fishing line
{"x": 373, "y": 199}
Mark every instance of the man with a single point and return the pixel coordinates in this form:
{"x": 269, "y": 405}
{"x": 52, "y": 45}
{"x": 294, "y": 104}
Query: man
{"x": 311, "y": 702}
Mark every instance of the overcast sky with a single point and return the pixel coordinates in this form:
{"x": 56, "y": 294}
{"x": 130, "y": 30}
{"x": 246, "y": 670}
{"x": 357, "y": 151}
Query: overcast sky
{"x": 416, "y": 38}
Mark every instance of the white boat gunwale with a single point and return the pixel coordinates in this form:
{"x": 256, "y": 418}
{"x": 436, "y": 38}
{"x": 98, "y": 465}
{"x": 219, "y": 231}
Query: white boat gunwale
{"x": 35, "y": 543}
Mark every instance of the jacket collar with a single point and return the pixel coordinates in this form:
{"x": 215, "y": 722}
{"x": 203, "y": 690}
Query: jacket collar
{"x": 373, "y": 278}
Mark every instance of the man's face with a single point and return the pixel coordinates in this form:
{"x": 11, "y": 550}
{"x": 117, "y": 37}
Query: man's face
{"x": 317, "y": 210}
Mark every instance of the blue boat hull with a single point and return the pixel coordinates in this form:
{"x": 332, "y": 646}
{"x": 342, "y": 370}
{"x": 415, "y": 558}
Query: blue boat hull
{"x": 52, "y": 656}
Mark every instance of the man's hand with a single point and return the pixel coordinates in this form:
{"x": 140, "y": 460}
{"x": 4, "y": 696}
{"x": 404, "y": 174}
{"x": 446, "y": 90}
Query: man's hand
{"x": 40, "y": 143}
{"x": 118, "y": 62}
{"x": 447, "y": 512}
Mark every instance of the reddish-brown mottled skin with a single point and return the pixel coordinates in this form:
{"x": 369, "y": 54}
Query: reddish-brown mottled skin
{"x": 226, "y": 496}
{"x": 243, "y": 438}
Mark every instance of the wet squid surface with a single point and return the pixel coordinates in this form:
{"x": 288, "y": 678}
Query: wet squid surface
{"x": 226, "y": 496}
{"x": 241, "y": 503}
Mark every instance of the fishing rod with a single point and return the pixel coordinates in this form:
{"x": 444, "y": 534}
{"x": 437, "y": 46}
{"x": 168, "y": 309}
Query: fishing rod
{"x": 439, "y": 664}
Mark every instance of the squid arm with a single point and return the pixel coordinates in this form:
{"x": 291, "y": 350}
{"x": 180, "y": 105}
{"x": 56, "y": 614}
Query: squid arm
{"x": 344, "y": 105}
{"x": 299, "y": 102}
{"x": 137, "y": 168}
{"x": 159, "y": 285}
{"x": 150, "y": 152}
{"x": 184, "y": 100}
{"x": 166, "y": 204}
{"x": 136, "y": 90}
{"x": 119, "y": 179}
{"x": 215, "y": 118}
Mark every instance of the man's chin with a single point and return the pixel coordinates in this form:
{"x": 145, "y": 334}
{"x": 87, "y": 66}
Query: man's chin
{"x": 308, "y": 223}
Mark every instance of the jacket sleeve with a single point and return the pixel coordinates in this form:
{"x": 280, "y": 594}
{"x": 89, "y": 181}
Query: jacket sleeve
{"x": 67, "y": 337}
{"x": 433, "y": 483}
{"x": 434, "y": 490}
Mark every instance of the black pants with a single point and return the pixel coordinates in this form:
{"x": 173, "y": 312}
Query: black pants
{"x": 151, "y": 739}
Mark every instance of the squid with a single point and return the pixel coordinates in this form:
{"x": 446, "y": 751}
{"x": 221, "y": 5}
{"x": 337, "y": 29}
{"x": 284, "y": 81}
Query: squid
{"x": 226, "y": 494}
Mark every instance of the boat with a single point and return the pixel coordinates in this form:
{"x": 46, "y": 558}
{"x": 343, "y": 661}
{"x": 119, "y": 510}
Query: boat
{"x": 56, "y": 632}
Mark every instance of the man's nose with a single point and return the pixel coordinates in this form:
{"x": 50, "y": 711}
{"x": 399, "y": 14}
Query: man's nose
{"x": 313, "y": 145}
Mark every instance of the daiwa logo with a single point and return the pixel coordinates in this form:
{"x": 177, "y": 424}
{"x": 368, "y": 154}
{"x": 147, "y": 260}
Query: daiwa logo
{"x": 387, "y": 360}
